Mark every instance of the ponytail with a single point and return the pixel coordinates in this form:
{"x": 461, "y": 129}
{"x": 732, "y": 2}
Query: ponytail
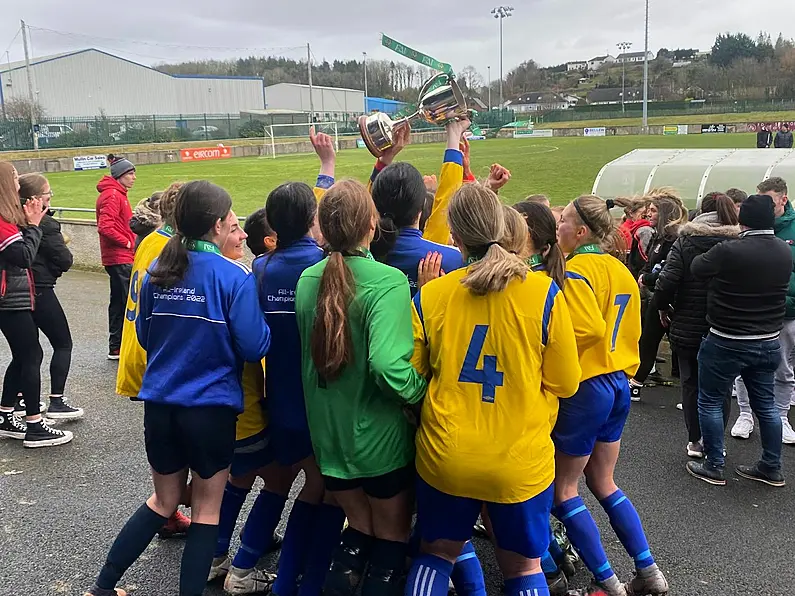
{"x": 723, "y": 206}
{"x": 555, "y": 263}
{"x": 399, "y": 195}
{"x": 493, "y": 272}
{"x": 542, "y": 229}
{"x": 331, "y": 344}
{"x": 594, "y": 213}
{"x": 172, "y": 264}
{"x": 385, "y": 237}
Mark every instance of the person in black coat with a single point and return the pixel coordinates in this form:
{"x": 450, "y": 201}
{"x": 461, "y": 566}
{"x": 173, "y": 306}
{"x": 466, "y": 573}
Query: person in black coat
{"x": 764, "y": 138}
{"x": 52, "y": 260}
{"x": 783, "y": 138}
{"x": 681, "y": 301}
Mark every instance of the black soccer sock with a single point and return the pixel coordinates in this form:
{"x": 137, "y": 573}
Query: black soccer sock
{"x": 197, "y": 558}
{"x": 387, "y": 561}
{"x": 348, "y": 563}
{"x": 133, "y": 539}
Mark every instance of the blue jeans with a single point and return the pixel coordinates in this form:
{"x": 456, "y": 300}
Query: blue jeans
{"x": 720, "y": 360}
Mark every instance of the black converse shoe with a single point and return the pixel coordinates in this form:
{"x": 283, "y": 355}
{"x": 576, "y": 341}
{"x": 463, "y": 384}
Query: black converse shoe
{"x": 41, "y": 435}
{"x": 11, "y": 427}
{"x": 21, "y": 411}
{"x": 634, "y": 392}
{"x": 61, "y": 410}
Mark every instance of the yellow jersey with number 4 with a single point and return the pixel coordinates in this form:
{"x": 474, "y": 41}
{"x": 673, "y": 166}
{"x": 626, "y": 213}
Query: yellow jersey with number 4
{"x": 617, "y": 299}
{"x": 486, "y": 420}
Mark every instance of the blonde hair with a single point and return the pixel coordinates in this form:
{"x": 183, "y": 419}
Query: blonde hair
{"x": 477, "y": 221}
{"x": 31, "y": 185}
{"x": 594, "y": 214}
{"x": 516, "y": 236}
{"x": 168, "y": 203}
{"x": 10, "y": 206}
{"x": 671, "y": 211}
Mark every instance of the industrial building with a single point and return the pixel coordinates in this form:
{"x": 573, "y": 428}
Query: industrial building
{"x": 329, "y": 103}
{"x": 90, "y": 82}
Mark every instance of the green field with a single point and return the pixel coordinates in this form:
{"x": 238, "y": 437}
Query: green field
{"x": 561, "y": 168}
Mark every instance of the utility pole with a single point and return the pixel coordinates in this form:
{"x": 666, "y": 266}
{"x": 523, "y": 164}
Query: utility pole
{"x": 624, "y": 46}
{"x": 8, "y": 60}
{"x": 28, "y": 74}
{"x": 489, "y": 89}
{"x": 646, "y": 77}
{"x": 365, "y": 73}
{"x": 501, "y": 12}
{"x": 311, "y": 93}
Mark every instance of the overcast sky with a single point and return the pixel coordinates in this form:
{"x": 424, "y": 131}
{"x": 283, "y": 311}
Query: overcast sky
{"x": 461, "y": 32}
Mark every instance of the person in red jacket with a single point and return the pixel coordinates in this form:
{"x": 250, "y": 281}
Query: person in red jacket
{"x": 116, "y": 242}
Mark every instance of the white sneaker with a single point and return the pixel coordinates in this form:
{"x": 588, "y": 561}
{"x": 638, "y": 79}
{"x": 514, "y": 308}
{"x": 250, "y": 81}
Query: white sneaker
{"x": 787, "y": 434}
{"x": 248, "y": 581}
{"x": 744, "y": 426}
{"x": 696, "y": 450}
{"x": 219, "y": 568}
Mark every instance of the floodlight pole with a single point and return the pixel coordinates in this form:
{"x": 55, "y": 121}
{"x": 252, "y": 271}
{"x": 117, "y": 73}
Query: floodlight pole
{"x": 624, "y": 46}
{"x": 646, "y": 76}
{"x": 489, "y": 68}
{"x": 28, "y": 74}
{"x": 311, "y": 100}
{"x": 365, "y": 73}
{"x": 501, "y": 12}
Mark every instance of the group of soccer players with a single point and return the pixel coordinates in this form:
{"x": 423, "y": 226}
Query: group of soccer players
{"x": 440, "y": 354}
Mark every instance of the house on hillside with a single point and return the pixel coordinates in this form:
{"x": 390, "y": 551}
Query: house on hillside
{"x": 612, "y": 95}
{"x": 600, "y": 61}
{"x": 576, "y": 66}
{"x": 633, "y": 57}
{"x": 477, "y": 104}
{"x": 541, "y": 102}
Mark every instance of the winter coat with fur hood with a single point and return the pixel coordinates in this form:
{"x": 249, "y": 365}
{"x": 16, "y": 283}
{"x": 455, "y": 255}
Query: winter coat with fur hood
{"x": 678, "y": 290}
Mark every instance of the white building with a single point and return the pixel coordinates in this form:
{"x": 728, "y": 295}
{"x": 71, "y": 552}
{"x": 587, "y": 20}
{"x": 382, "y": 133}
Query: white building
{"x": 91, "y": 82}
{"x": 541, "y": 102}
{"x": 633, "y": 57}
{"x": 576, "y": 66}
{"x": 329, "y": 103}
{"x": 600, "y": 61}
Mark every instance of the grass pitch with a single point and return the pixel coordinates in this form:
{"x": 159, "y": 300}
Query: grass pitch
{"x": 561, "y": 168}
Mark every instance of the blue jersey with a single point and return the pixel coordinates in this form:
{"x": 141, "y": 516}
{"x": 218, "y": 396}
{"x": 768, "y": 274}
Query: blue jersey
{"x": 198, "y": 334}
{"x": 277, "y": 276}
{"x": 410, "y": 247}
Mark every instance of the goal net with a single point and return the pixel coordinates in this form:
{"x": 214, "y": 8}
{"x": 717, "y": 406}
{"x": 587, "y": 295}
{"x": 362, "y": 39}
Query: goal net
{"x": 290, "y": 139}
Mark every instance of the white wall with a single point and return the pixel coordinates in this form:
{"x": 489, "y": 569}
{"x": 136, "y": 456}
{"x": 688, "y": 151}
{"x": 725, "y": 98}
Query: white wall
{"x": 288, "y": 96}
{"x": 92, "y": 82}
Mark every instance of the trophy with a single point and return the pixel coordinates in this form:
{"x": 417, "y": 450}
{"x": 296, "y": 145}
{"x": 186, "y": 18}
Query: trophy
{"x": 440, "y": 100}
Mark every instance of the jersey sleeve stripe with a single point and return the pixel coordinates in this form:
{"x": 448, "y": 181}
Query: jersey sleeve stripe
{"x": 418, "y": 305}
{"x": 548, "y": 304}
{"x": 572, "y": 275}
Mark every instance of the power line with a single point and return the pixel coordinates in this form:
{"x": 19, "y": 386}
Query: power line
{"x": 13, "y": 40}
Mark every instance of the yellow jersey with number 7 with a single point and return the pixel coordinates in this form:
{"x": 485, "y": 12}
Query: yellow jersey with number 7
{"x": 618, "y": 302}
{"x": 492, "y": 360}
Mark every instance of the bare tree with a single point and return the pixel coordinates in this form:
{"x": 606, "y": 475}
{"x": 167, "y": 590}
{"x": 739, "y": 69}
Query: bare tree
{"x": 19, "y": 109}
{"x": 471, "y": 78}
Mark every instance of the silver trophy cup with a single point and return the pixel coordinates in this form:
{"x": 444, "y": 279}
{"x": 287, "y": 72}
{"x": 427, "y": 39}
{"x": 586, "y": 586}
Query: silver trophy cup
{"x": 440, "y": 100}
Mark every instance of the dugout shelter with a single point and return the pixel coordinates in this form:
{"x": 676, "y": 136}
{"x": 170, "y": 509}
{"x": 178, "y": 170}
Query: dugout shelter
{"x": 692, "y": 172}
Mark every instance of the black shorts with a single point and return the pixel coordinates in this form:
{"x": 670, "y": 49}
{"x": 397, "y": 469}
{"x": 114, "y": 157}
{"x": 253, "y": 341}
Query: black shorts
{"x": 378, "y": 487}
{"x": 201, "y": 439}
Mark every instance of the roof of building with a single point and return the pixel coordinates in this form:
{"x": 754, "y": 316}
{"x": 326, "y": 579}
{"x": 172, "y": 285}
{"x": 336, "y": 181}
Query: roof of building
{"x": 536, "y": 98}
{"x": 19, "y": 64}
{"x": 600, "y": 58}
{"x": 613, "y": 94}
{"x": 476, "y": 101}
{"x": 314, "y": 87}
{"x": 576, "y": 62}
{"x": 632, "y": 55}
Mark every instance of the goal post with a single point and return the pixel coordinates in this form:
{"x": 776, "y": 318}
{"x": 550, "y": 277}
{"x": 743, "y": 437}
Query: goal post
{"x": 276, "y": 134}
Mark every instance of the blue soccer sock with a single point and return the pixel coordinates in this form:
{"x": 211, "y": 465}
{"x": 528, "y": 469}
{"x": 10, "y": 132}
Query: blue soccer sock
{"x": 294, "y": 548}
{"x": 626, "y": 523}
{"x": 535, "y": 584}
{"x": 467, "y": 573}
{"x": 231, "y": 505}
{"x": 554, "y": 548}
{"x": 548, "y": 564}
{"x": 584, "y": 535}
{"x": 429, "y": 576}
{"x": 326, "y": 536}
{"x": 258, "y": 531}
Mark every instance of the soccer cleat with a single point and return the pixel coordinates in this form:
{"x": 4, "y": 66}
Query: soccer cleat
{"x": 248, "y": 581}
{"x": 695, "y": 450}
{"x": 11, "y": 427}
{"x": 634, "y": 392}
{"x": 703, "y": 471}
{"x": 219, "y": 568}
{"x": 754, "y": 473}
{"x": 787, "y": 434}
{"x": 744, "y": 426}
{"x": 61, "y": 410}
{"x": 597, "y": 589}
{"x": 656, "y": 379}
{"x": 647, "y": 582}
{"x": 114, "y": 355}
{"x": 557, "y": 583}
{"x": 39, "y": 434}
{"x": 176, "y": 526}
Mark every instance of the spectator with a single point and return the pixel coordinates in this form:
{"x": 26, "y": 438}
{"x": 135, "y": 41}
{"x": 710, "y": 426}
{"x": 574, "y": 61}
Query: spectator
{"x": 146, "y": 217}
{"x": 20, "y": 237}
{"x": 52, "y": 260}
{"x": 746, "y": 305}
{"x": 784, "y": 381}
{"x": 764, "y": 138}
{"x": 116, "y": 242}
{"x": 737, "y": 196}
{"x": 634, "y": 221}
{"x": 783, "y": 138}
{"x": 681, "y": 301}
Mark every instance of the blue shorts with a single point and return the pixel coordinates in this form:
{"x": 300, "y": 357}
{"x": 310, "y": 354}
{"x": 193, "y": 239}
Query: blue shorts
{"x": 289, "y": 446}
{"x": 597, "y": 412}
{"x": 251, "y": 454}
{"x": 518, "y": 527}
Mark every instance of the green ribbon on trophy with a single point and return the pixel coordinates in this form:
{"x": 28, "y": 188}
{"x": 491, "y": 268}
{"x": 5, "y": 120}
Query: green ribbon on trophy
{"x": 413, "y": 54}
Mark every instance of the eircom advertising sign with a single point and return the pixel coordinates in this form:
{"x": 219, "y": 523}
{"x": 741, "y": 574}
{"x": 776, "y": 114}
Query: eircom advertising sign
{"x": 599, "y": 131}
{"x": 205, "y": 153}
{"x": 89, "y": 162}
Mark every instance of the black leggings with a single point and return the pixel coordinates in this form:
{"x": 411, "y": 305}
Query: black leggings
{"x": 51, "y": 319}
{"x": 688, "y": 369}
{"x": 650, "y": 339}
{"x": 23, "y": 374}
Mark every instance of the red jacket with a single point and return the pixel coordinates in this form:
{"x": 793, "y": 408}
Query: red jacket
{"x": 116, "y": 239}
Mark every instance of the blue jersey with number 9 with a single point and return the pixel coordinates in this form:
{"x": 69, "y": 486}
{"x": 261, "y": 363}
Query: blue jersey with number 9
{"x": 486, "y": 419}
{"x": 617, "y": 304}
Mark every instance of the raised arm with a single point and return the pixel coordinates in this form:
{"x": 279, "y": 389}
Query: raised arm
{"x": 324, "y": 147}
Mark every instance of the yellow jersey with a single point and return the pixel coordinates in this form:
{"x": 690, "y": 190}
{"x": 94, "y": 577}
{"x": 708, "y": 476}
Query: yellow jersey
{"x": 253, "y": 420}
{"x": 486, "y": 419}
{"x": 616, "y": 310}
{"x": 451, "y": 179}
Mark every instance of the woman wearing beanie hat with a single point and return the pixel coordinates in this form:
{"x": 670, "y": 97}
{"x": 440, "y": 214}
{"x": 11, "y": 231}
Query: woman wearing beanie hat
{"x": 116, "y": 242}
